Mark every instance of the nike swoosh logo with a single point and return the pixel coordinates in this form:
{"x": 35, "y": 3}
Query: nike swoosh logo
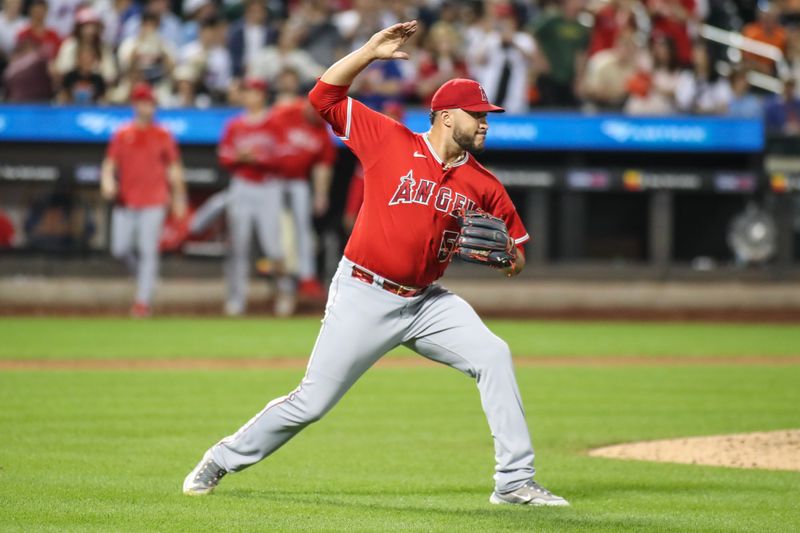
{"x": 417, "y": 154}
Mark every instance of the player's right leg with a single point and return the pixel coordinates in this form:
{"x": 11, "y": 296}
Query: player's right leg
{"x": 341, "y": 354}
{"x": 149, "y": 225}
{"x": 241, "y": 214}
{"x": 447, "y": 329}
{"x": 123, "y": 228}
{"x": 211, "y": 210}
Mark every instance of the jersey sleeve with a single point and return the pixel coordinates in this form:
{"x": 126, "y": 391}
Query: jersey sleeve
{"x": 171, "y": 151}
{"x": 358, "y": 126}
{"x": 327, "y": 151}
{"x": 501, "y": 206}
{"x": 226, "y": 151}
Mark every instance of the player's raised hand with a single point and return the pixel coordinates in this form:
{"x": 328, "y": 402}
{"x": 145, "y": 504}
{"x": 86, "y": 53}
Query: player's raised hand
{"x": 386, "y": 43}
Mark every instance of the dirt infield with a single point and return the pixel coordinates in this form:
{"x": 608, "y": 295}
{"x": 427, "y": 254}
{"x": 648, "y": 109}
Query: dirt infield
{"x": 772, "y": 450}
{"x": 389, "y": 362}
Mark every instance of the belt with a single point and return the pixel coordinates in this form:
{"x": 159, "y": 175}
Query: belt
{"x": 394, "y": 288}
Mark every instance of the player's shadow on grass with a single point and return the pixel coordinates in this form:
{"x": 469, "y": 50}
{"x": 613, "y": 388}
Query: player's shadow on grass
{"x": 475, "y": 509}
{"x": 339, "y": 491}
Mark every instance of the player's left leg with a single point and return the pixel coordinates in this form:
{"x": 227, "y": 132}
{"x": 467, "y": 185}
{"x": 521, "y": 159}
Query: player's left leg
{"x": 446, "y": 329}
{"x": 268, "y": 231}
{"x": 300, "y": 203}
{"x": 150, "y": 224}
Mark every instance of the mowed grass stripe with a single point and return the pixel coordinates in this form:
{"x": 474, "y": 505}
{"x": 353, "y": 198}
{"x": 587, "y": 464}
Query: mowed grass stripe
{"x": 172, "y": 338}
{"x": 405, "y": 450}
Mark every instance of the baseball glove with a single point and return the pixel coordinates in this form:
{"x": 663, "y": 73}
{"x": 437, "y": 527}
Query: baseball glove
{"x": 484, "y": 239}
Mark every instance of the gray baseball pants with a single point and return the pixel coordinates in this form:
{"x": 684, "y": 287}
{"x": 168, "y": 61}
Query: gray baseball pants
{"x": 135, "y": 234}
{"x": 437, "y": 324}
{"x": 250, "y": 206}
{"x": 299, "y": 192}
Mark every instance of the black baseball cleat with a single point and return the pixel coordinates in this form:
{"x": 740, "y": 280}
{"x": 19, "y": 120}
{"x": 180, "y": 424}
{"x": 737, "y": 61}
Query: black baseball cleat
{"x": 204, "y": 478}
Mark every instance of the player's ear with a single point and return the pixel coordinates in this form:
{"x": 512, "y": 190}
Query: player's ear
{"x": 447, "y": 118}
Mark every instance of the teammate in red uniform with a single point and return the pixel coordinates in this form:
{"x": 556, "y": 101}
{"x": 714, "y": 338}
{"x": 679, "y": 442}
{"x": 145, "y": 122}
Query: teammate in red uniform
{"x": 141, "y": 164}
{"x": 383, "y": 294}
{"x": 303, "y": 149}
{"x": 246, "y": 151}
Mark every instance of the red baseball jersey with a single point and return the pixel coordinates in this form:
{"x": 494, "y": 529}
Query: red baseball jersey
{"x": 406, "y": 230}
{"x": 142, "y": 156}
{"x": 242, "y": 134}
{"x": 301, "y": 140}
{"x": 48, "y": 40}
{"x": 355, "y": 193}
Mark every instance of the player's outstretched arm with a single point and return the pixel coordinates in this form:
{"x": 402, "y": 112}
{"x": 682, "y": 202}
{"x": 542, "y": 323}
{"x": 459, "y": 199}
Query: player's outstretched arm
{"x": 383, "y": 45}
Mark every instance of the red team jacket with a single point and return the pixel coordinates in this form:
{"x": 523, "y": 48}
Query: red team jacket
{"x": 142, "y": 156}
{"x": 242, "y": 134}
{"x": 301, "y": 140}
{"x": 286, "y": 144}
{"x": 405, "y": 230}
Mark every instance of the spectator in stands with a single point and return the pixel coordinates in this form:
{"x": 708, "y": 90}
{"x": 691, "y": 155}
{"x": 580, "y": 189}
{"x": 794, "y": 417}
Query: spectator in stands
{"x": 782, "y": 112}
{"x": 185, "y": 89}
{"x": 271, "y": 60}
{"x": 702, "y": 90}
{"x": 477, "y": 28}
{"x": 380, "y": 84}
{"x": 11, "y": 23}
{"x": 209, "y": 59}
{"x": 146, "y": 57}
{"x": 287, "y": 87}
{"x": 249, "y": 36}
{"x": 87, "y": 32}
{"x": 440, "y": 61}
{"x": 83, "y": 85}
{"x": 115, "y": 15}
{"x": 169, "y": 25}
{"x": 766, "y": 29}
{"x": 744, "y": 103}
{"x": 196, "y": 11}
{"x": 613, "y": 18}
{"x": 508, "y": 55}
{"x": 37, "y": 33}
{"x": 27, "y": 76}
{"x": 657, "y": 96}
{"x": 563, "y": 42}
{"x": 321, "y": 38}
{"x": 793, "y": 54}
{"x": 61, "y": 16}
{"x": 671, "y": 18}
{"x": 358, "y": 24}
{"x": 610, "y": 73}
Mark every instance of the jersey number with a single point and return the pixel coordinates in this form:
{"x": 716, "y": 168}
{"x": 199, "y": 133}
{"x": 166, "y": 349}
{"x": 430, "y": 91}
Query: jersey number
{"x": 448, "y": 245}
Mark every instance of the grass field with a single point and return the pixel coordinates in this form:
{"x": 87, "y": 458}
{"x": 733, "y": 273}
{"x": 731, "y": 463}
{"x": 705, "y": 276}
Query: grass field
{"x": 407, "y": 448}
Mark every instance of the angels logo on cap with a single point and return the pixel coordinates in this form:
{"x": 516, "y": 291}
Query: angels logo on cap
{"x": 461, "y": 93}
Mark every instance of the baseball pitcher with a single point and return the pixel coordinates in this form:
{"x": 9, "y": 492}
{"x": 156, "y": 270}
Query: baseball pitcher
{"x": 426, "y": 200}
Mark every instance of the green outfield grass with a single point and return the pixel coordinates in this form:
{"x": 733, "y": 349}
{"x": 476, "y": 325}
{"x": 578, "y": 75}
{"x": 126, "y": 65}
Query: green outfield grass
{"x": 114, "y": 338}
{"x": 408, "y": 449}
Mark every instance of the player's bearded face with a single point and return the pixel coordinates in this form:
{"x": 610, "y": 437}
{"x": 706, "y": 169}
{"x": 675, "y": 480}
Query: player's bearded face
{"x": 469, "y": 131}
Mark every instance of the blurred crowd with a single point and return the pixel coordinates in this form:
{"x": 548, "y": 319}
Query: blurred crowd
{"x": 637, "y": 56}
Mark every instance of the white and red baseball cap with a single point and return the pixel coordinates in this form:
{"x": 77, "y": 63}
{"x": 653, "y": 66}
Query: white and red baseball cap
{"x": 461, "y": 93}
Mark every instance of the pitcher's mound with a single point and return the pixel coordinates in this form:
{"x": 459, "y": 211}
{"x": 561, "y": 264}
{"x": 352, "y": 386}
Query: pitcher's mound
{"x": 771, "y": 450}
